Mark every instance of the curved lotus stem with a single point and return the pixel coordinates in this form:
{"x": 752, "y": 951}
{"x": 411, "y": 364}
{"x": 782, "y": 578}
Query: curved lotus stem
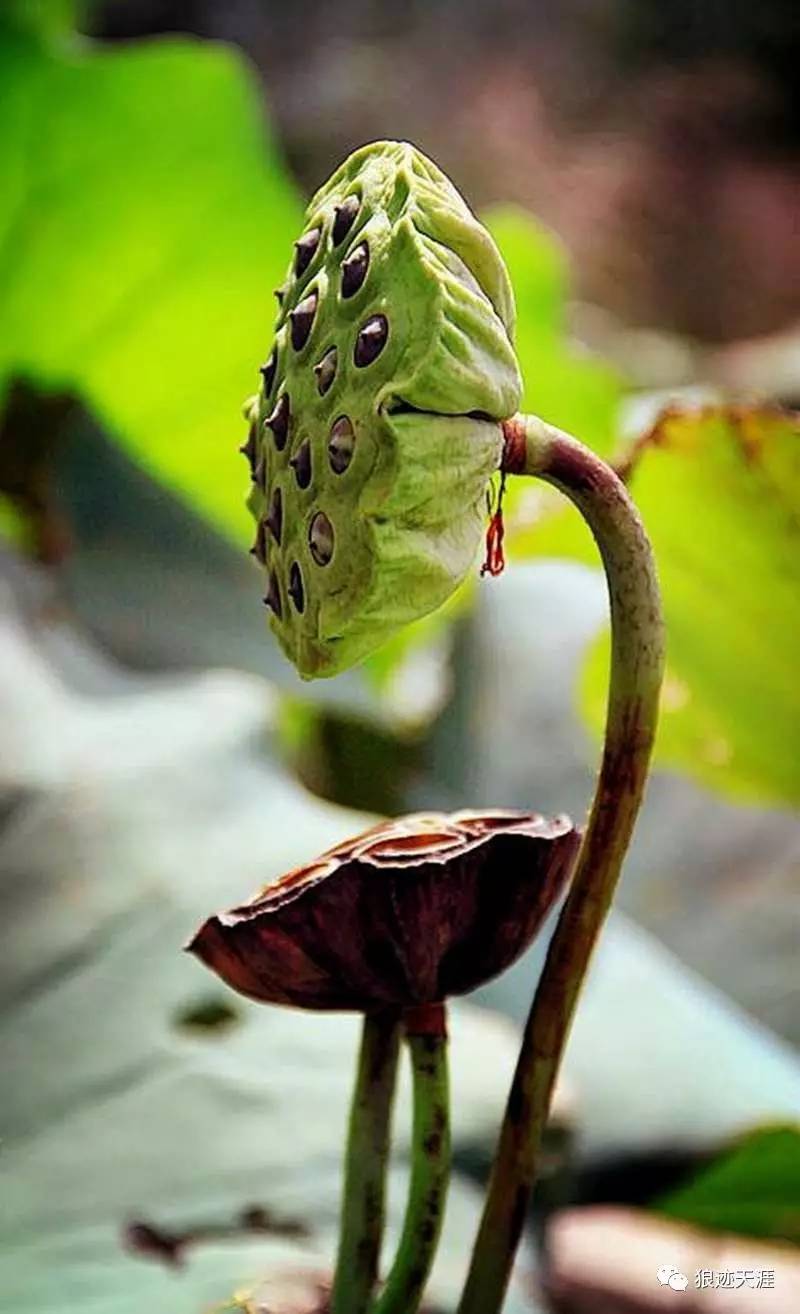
{"x": 364, "y": 1190}
{"x": 430, "y": 1163}
{"x": 536, "y": 448}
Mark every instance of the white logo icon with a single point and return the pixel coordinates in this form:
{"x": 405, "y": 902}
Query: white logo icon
{"x": 668, "y": 1276}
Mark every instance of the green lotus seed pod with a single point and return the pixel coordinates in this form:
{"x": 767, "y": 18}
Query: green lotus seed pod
{"x": 377, "y": 425}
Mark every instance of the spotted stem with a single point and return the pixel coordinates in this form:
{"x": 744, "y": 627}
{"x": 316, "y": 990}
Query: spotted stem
{"x": 430, "y": 1165}
{"x": 366, "y": 1158}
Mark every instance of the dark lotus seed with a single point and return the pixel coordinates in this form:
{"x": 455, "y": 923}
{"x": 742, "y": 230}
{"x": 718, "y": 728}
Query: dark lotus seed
{"x": 250, "y": 449}
{"x": 354, "y": 270}
{"x": 320, "y": 539}
{"x": 273, "y": 597}
{"x": 259, "y": 548}
{"x": 301, "y": 464}
{"x": 296, "y": 587}
{"x": 302, "y": 318}
{"x": 304, "y": 250}
{"x": 267, "y": 372}
{"x": 341, "y": 441}
{"x": 344, "y": 217}
{"x": 325, "y": 370}
{"x": 278, "y": 421}
{"x": 371, "y": 340}
{"x": 260, "y": 473}
{"x": 280, "y": 295}
{"x": 274, "y": 519}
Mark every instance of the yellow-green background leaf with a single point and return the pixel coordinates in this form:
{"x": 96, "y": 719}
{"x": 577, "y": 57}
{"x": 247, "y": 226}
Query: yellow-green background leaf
{"x": 566, "y": 386}
{"x": 144, "y": 220}
{"x": 719, "y": 491}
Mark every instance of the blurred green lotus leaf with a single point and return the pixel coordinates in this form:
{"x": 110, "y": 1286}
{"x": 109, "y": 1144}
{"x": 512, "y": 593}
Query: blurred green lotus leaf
{"x": 752, "y": 1188}
{"x": 139, "y": 192}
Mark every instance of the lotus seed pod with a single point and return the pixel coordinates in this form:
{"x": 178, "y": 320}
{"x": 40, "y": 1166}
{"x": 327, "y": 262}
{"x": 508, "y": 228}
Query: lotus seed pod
{"x": 410, "y": 912}
{"x": 377, "y": 425}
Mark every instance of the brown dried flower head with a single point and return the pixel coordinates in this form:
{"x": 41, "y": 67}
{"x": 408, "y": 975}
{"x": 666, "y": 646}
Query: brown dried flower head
{"x": 409, "y": 912}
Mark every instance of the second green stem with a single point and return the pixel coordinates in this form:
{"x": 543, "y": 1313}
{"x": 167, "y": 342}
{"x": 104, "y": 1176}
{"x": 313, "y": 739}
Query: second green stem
{"x": 363, "y": 1204}
{"x": 430, "y": 1172}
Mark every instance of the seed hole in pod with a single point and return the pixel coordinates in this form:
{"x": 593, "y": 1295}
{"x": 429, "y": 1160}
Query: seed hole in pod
{"x": 301, "y": 464}
{"x": 302, "y": 318}
{"x": 305, "y": 249}
{"x": 250, "y": 448}
{"x": 320, "y": 538}
{"x": 344, "y": 218}
{"x": 296, "y": 592}
{"x": 278, "y": 421}
{"x": 354, "y": 270}
{"x": 273, "y": 596}
{"x": 325, "y": 370}
{"x": 267, "y": 372}
{"x": 280, "y": 295}
{"x": 260, "y": 473}
{"x": 341, "y": 441}
{"x": 274, "y": 517}
{"x": 371, "y": 340}
{"x": 259, "y": 548}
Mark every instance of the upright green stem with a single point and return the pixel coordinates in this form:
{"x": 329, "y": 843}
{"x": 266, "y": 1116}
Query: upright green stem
{"x": 535, "y": 448}
{"x": 430, "y": 1169}
{"x": 363, "y": 1205}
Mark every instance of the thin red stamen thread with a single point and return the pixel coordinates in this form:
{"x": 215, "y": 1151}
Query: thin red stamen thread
{"x": 495, "y": 560}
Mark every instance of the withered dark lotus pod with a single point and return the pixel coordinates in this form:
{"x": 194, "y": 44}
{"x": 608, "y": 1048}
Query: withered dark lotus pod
{"x": 410, "y": 912}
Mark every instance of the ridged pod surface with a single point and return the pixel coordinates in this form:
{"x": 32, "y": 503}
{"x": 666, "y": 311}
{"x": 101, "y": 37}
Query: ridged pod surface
{"x": 410, "y": 912}
{"x": 376, "y": 428}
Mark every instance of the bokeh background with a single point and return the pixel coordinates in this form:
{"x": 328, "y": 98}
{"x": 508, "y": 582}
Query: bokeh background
{"x": 165, "y": 1145}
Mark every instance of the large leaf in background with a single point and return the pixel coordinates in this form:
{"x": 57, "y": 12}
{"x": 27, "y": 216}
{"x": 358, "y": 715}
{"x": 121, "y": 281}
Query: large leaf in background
{"x": 568, "y": 387}
{"x": 753, "y": 1188}
{"x": 144, "y": 219}
{"x": 719, "y": 491}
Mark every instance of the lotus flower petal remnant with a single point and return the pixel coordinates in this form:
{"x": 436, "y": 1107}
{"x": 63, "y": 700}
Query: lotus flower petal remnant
{"x": 394, "y": 329}
{"x": 407, "y": 913}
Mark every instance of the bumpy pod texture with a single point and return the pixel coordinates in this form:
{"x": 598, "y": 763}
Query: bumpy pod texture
{"x": 408, "y": 913}
{"x": 376, "y": 428}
